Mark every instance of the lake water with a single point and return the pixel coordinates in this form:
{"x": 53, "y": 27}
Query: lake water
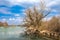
{"x": 15, "y": 33}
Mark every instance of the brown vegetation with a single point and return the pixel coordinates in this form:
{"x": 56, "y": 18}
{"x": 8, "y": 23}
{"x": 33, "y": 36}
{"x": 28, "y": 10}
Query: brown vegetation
{"x": 1, "y": 23}
{"x": 34, "y": 16}
{"x": 5, "y": 24}
{"x": 54, "y": 24}
{"x": 34, "y": 19}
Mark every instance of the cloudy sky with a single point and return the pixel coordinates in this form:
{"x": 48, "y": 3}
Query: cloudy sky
{"x": 12, "y": 11}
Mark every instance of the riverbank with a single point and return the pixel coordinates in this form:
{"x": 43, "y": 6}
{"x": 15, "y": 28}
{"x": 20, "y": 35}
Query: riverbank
{"x": 43, "y": 33}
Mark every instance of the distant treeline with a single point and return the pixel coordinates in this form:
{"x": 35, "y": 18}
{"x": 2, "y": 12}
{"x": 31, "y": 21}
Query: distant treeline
{"x": 3, "y": 24}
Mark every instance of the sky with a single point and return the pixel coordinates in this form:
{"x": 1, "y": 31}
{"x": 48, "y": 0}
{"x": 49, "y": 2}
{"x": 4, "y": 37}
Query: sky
{"x": 13, "y": 11}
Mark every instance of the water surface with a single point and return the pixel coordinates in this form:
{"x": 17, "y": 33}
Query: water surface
{"x": 15, "y": 33}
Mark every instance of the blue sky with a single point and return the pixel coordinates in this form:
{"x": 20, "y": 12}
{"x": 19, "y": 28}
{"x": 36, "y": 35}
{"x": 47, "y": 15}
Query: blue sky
{"x": 12, "y": 11}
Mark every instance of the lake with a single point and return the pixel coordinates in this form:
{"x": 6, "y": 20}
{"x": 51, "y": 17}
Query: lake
{"x": 15, "y": 33}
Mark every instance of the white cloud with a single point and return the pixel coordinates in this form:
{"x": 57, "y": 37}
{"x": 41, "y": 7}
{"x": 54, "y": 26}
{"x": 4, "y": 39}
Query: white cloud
{"x": 33, "y": 2}
{"x": 4, "y": 11}
{"x": 48, "y": 1}
{"x": 21, "y": 1}
{"x": 11, "y": 19}
{"x": 15, "y": 21}
{"x": 18, "y": 19}
{"x": 16, "y": 15}
{"x": 5, "y": 2}
{"x": 4, "y": 19}
{"x": 52, "y": 3}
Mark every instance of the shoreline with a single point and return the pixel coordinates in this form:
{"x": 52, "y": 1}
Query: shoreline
{"x": 52, "y": 35}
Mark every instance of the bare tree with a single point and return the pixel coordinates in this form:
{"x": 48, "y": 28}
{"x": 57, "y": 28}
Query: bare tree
{"x": 33, "y": 17}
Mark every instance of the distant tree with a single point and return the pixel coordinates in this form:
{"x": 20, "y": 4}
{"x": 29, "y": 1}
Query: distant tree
{"x": 1, "y": 24}
{"x": 5, "y": 24}
{"x": 54, "y": 24}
